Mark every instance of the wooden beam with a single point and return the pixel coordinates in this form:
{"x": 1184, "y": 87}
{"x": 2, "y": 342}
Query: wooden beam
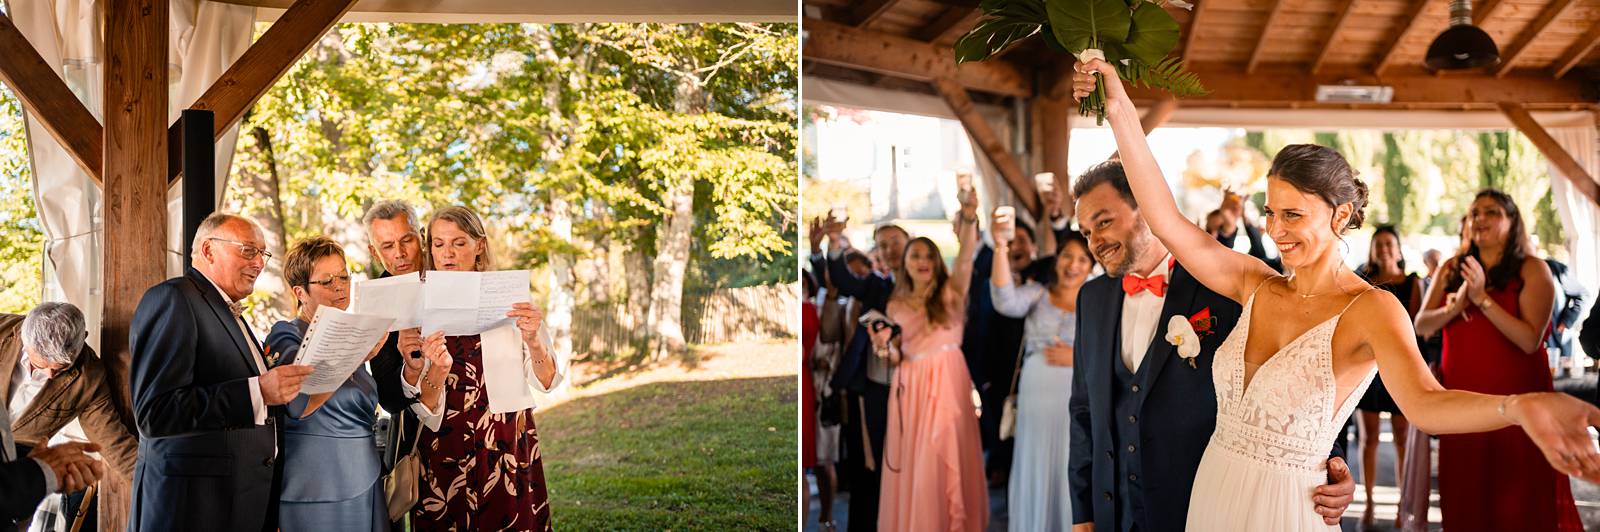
{"x": 267, "y": 60}
{"x": 1052, "y": 121}
{"x": 1550, "y": 13}
{"x": 1413, "y": 16}
{"x": 1552, "y": 150}
{"x": 1414, "y": 88}
{"x": 135, "y": 167}
{"x": 1193, "y": 31}
{"x": 954, "y": 19}
{"x": 1578, "y": 51}
{"x": 1483, "y": 11}
{"x": 1333, "y": 37}
{"x": 43, "y": 93}
{"x": 868, "y": 11}
{"x": 1266, "y": 29}
{"x": 836, "y": 44}
{"x": 988, "y": 143}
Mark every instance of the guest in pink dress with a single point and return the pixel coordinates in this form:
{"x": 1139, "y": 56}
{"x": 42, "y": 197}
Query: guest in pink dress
{"x": 933, "y": 475}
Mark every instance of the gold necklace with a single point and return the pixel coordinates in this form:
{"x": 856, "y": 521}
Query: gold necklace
{"x": 1304, "y": 297}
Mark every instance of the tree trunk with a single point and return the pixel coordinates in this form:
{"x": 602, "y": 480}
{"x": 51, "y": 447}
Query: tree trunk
{"x": 637, "y": 266}
{"x": 673, "y": 240}
{"x": 268, "y": 188}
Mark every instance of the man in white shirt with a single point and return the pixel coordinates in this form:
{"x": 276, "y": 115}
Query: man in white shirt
{"x": 204, "y": 398}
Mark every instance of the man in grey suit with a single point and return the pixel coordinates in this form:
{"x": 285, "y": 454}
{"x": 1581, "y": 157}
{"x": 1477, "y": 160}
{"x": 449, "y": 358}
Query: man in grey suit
{"x": 204, "y": 402}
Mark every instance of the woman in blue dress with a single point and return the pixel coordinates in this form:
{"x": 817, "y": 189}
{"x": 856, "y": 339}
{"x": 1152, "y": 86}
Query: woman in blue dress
{"x": 331, "y": 467}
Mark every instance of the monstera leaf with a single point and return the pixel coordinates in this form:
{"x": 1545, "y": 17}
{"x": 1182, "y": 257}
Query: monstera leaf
{"x": 1082, "y": 24}
{"x": 1153, "y": 35}
{"x": 1005, "y": 22}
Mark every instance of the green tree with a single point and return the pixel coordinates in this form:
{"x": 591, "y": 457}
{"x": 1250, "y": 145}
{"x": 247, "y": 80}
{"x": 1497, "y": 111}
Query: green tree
{"x": 21, "y": 236}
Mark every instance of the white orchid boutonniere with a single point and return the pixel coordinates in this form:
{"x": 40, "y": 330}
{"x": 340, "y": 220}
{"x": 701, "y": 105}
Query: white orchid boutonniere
{"x": 1185, "y": 333}
{"x": 1182, "y": 335}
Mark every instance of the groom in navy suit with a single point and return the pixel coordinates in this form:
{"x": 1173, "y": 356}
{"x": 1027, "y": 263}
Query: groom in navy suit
{"x": 1142, "y": 415}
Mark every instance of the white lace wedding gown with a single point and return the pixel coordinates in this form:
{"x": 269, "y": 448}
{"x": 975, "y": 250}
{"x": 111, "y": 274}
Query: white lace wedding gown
{"x": 1269, "y": 451}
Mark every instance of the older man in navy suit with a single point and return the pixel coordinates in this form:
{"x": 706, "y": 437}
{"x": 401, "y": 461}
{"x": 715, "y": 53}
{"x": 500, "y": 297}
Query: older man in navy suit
{"x": 203, "y": 399}
{"x": 1141, "y": 420}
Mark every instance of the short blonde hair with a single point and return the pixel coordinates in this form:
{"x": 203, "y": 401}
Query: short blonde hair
{"x": 470, "y": 223}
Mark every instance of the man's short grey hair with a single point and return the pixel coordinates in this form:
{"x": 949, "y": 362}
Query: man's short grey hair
{"x": 213, "y": 222}
{"x": 55, "y": 331}
{"x": 389, "y": 210}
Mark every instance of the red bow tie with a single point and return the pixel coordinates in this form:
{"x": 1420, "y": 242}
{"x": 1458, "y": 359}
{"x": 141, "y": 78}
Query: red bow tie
{"x": 1156, "y": 284}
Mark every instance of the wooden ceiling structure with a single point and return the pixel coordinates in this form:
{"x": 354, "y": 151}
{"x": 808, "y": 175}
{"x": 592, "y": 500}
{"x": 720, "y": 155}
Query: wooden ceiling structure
{"x": 1251, "y": 54}
{"x": 133, "y": 153}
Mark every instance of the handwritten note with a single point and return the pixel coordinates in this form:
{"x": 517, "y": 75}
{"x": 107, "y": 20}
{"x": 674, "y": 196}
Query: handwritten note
{"x": 462, "y": 303}
{"x": 399, "y": 298}
{"x": 336, "y": 343}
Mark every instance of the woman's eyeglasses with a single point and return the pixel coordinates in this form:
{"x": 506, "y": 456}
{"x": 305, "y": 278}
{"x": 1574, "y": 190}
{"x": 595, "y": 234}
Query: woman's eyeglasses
{"x": 341, "y": 279}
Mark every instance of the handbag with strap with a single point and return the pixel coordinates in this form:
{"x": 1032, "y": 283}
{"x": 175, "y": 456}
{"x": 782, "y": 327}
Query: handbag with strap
{"x": 400, "y": 485}
{"x": 1008, "y": 413}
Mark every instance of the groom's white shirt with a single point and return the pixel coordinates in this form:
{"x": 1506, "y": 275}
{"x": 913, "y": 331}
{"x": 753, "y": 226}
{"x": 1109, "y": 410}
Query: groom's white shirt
{"x": 1140, "y": 312}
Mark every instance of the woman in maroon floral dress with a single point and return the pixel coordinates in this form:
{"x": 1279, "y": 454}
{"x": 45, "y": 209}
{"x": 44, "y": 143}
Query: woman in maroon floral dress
{"x": 480, "y": 470}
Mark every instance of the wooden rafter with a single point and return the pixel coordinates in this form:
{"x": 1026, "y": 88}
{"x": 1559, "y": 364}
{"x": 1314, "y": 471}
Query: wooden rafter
{"x": 1193, "y": 31}
{"x": 1552, "y": 150}
{"x": 1260, "y": 49}
{"x": 1578, "y": 51}
{"x": 836, "y": 44}
{"x": 267, "y": 60}
{"x": 952, "y": 20}
{"x": 868, "y": 11}
{"x": 1514, "y": 52}
{"x": 44, "y": 94}
{"x": 988, "y": 142}
{"x": 1413, "y": 16}
{"x": 1481, "y": 13}
{"x": 1333, "y": 36}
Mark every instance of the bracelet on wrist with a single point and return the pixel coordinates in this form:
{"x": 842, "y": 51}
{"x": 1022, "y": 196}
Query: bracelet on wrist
{"x": 1502, "y": 409}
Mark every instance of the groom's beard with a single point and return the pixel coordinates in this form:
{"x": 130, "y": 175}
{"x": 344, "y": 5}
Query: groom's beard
{"x": 1133, "y": 248}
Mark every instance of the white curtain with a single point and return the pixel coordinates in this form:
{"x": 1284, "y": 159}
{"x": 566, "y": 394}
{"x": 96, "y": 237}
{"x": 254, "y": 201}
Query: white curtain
{"x": 1580, "y": 216}
{"x": 206, "y": 37}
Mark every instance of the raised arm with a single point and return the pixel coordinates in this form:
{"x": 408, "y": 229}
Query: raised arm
{"x": 1009, "y": 299}
{"x": 1222, "y": 270}
{"x": 966, "y": 226}
{"x": 1556, "y": 422}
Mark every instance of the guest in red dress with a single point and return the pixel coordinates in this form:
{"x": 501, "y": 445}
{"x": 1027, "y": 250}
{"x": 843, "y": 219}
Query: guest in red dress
{"x": 480, "y": 470}
{"x": 1493, "y": 303}
{"x": 809, "y": 326}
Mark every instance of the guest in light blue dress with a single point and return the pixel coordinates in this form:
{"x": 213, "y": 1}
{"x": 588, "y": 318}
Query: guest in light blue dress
{"x": 1037, "y": 494}
{"x": 331, "y": 467}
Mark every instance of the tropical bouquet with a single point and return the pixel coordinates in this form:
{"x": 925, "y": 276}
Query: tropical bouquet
{"x": 1135, "y": 36}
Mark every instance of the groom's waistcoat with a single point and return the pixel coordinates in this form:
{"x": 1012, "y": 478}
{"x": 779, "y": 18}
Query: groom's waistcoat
{"x": 1137, "y": 437}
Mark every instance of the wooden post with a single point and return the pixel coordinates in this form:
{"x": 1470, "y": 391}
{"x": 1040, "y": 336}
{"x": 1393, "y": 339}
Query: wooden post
{"x": 1552, "y": 150}
{"x": 1052, "y": 118}
{"x": 135, "y": 170}
{"x": 988, "y": 143}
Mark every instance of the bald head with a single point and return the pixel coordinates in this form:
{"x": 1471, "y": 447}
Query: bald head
{"x": 230, "y": 251}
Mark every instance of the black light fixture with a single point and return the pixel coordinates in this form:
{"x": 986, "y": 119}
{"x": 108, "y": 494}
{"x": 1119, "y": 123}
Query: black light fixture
{"x": 1462, "y": 45}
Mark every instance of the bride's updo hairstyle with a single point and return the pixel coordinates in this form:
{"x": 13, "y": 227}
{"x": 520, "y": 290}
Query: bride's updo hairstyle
{"x": 1313, "y": 169}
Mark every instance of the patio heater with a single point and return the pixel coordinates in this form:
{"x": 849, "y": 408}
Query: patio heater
{"x": 199, "y": 158}
{"x": 1463, "y": 45}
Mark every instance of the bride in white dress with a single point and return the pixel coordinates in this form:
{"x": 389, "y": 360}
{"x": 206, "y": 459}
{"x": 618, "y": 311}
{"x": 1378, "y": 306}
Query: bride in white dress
{"x": 1308, "y": 344}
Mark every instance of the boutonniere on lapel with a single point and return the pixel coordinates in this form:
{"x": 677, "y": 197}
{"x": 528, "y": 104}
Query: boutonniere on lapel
{"x": 268, "y": 356}
{"x": 1185, "y": 333}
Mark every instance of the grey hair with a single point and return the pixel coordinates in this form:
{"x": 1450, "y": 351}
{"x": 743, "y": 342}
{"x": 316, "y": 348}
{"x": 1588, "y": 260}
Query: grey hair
{"x": 213, "y": 222}
{"x": 55, "y": 331}
{"x": 389, "y": 210}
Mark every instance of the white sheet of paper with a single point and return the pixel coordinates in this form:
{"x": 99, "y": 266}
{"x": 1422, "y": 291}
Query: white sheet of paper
{"x": 398, "y": 297}
{"x": 505, "y": 370}
{"x": 336, "y": 343}
{"x": 462, "y": 303}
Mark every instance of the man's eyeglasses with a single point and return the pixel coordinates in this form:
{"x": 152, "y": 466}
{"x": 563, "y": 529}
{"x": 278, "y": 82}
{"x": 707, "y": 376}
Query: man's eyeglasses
{"x": 247, "y": 251}
{"x": 341, "y": 279}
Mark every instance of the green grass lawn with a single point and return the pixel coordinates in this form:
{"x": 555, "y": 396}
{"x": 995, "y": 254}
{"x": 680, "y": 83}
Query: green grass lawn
{"x": 710, "y": 455}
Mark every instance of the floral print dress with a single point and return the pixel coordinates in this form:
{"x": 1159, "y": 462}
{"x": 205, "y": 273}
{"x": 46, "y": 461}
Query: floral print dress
{"x": 480, "y": 471}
